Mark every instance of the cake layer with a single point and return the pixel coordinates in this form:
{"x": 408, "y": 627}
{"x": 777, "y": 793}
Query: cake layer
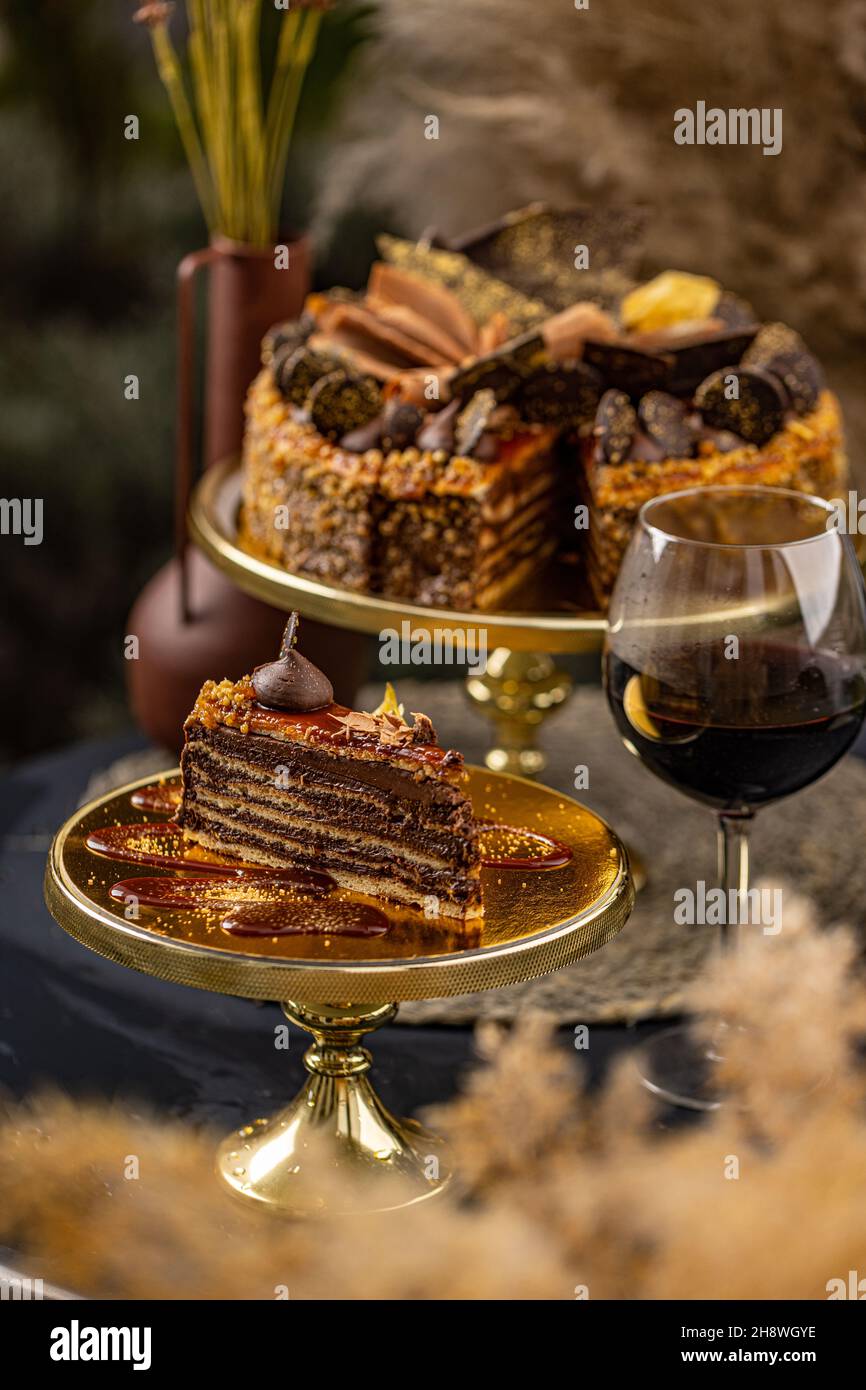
{"x": 460, "y": 901}
{"x": 209, "y": 777}
{"x": 282, "y": 844}
{"x": 271, "y": 758}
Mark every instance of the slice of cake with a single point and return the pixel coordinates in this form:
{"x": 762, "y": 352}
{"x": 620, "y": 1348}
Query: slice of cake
{"x": 275, "y": 773}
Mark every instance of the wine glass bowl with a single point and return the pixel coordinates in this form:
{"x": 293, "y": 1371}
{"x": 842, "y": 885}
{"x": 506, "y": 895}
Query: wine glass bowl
{"x": 735, "y": 665}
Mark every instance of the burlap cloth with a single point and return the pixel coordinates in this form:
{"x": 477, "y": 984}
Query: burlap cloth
{"x": 813, "y": 842}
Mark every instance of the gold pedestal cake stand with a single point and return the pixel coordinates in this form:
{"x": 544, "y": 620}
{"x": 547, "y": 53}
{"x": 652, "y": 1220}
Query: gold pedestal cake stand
{"x": 521, "y": 684}
{"x": 340, "y": 988}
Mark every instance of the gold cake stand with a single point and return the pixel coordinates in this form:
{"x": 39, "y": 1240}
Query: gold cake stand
{"x": 521, "y": 684}
{"x": 340, "y": 988}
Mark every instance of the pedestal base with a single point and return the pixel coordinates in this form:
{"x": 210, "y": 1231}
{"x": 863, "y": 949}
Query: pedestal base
{"x": 517, "y": 691}
{"x": 336, "y": 1149}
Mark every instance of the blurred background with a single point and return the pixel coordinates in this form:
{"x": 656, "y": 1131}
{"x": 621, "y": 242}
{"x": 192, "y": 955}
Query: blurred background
{"x": 542, "y": 101}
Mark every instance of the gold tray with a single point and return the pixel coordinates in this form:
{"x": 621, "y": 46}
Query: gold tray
{"x": 556, "y": 614}
{"x": 534, "y": 922}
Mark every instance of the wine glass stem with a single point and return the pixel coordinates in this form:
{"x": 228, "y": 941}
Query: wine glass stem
{"x": 733, "y": 870}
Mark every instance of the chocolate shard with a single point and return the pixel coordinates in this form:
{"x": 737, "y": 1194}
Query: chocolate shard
{"x": 627, "y": 368}
{"x": 746, "y": 400}
{"x": 297, "y": 371}
{"x": 533, "y": 249}
{"x": 503, "y": 370}
{"x": 615, "y": 426}
{"x": 292, "y": 682}
{"x": 438, "y": 431}
{"x": 561, "y": 394}
{"x": 400, "y": 424}
{"x": 697, "y": 350}
{"x": 339, "y": 403}
{"x": 780, "y": 350}
{"x": 473, "y": 420}
{"x": 666, "y": 420}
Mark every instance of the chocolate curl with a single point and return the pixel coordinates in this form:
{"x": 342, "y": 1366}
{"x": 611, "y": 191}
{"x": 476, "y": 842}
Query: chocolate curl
{"x": 403, "y": 319}
{"x": 355, "y": 345}
{"x": 380, "y": 339}
{"x": 565, "y": 333}
{"x": 439, "y": 306}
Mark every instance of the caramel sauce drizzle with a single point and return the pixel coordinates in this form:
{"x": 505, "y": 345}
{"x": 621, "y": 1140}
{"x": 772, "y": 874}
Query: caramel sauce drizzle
{"x": 554, "y": 854}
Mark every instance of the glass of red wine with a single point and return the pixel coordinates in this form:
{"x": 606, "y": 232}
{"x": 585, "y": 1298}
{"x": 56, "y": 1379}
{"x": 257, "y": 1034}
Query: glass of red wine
{"x": 735, "y": 668}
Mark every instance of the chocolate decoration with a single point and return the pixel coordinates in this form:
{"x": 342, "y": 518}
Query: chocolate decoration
{"x": 426, "y": 309}
{"x": 438, "y": 432}
{"x": 774, "y": 340}
{"x": 503, "y": 370}
{"x": 781, "y": 351}
{"x": 339, "y": 403}
{"x": 487, "y": 373}
{"x": 735, "y": 312}
{"x": 289, "y": 335}
{"x": 802, "y": 379}
{"x": 644, "y": 449}
{"x": 665, "y": 419}
{"x": 723, "y": 441}
{"x": 481, "y": 294}
{"x": 473, "y": 420}
{"x": 533, "y": 249}
{"x": 696, "y": 354}
{"x": 615, "y": 426}
{"x": 701, "y": 356}
{"x": 627, "y": 368}
{"x": 400, "y": 424}
{"x": 292, "y": 682}
{"x": 296, "y": 372}
{"x": 565, "y": 395}
{"x": 365, "y": 437}
{"x": 758, "y": 411}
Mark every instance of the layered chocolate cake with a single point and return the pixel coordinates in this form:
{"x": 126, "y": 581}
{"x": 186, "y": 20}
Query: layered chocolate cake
{"x": 275, "y": 773}
{"x": 437, "y": 436}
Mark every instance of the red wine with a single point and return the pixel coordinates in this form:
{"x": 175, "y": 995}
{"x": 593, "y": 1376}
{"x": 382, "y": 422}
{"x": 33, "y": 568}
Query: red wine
{"x": 738, "y": 733}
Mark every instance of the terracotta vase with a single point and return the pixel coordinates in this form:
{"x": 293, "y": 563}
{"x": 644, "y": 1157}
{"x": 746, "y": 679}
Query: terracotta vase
{"x": 190, "y": 620}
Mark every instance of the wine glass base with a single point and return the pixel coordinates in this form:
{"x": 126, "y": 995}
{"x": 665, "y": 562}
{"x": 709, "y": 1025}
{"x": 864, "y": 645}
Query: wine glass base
{"x": 680, "y": 1069}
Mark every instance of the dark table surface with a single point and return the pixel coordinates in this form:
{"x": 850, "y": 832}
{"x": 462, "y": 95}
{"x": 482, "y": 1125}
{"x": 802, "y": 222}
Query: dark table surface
{"x": 72, "y": 1020}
